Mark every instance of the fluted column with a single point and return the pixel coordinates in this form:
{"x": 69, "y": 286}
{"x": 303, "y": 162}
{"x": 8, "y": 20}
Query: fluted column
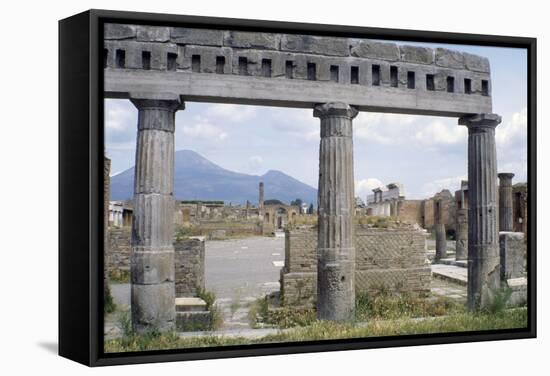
{"x": 506, "y": 220}
{"x": 152, "y": 257}
{"x": 335, "y": 252}
{"x": 483, "y": 248}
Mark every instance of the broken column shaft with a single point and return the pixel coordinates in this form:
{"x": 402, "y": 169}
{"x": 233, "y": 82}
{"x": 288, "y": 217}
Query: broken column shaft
{"x": 483, "y": 248}
{"x": 335, "y": 252}
{"x": 506, "y": 203}
{"x": 152, "y": 257}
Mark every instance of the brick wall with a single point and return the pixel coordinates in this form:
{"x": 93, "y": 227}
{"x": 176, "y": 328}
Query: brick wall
{"x": 393, "y": 259}
{"x": 118, "y": 256}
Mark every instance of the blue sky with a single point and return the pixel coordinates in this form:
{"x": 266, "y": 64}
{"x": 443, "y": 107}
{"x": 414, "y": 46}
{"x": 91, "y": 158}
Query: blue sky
{"x": 424, "y": 153}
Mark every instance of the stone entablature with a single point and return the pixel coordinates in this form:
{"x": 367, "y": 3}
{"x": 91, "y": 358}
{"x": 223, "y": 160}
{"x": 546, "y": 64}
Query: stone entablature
{"x": 393, "y": 259}
{"x": 294, "y": 70}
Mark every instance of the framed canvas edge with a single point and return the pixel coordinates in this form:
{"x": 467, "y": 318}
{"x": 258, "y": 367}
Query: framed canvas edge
{"x": 94, "y": 255}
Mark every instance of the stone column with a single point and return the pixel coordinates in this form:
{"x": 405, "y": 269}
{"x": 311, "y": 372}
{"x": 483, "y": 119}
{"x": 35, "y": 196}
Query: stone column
{"x": 440, "y": 233}
{"x": 261, "y": 199}
{"x": 461, "y": 233}
{"x": 335, "y": 251}
{"x": 152, "y": 257}
{"x": 506, "y": 202}
{"x": 106, "y": 195}
{"x": 483, "y": 247}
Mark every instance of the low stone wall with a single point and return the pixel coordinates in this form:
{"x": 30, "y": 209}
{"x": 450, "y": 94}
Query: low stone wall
{"x": 214, "y": 229}
{"x": 513, "y": 255}
{"x": 189, "y": 259}
{"x": 118, "y": 255}
{"x": 392, "y": 259}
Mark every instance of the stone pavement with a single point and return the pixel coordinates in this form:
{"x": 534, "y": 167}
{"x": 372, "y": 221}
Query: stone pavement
{"x": 446, "y": 288}
{"x": 452, "y": 273}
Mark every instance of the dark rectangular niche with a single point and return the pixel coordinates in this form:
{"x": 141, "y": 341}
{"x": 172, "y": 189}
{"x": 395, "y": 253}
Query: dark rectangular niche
{"x": 266, "y": 67}
{"x": 334, "y": 72}
{"x": 243, "y": 66}
{"x": 411, "y": 82}
{"x": 354, "y": 75}
{"x": 467, "y": 86}
{"x": 311, "y": 71}
{"x": 289, "y": 69}
{"x": 484, "y": 87}
{"x": 430, "y": 82}
{"x": 146, "y": 60}
{"x": 171, "y": 61}
{"x": 393, "y": 76}
{"x": 376, "y": 75}
{"x": 196, "y": 63}
{"x": 450, "y": 84}
{"x": 120, "y": 58}
{"x": 220, "y": 64}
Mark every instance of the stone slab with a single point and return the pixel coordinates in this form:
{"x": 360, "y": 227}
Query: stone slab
{"x": 451, "y": 273}
{"x": 190, "y": 304}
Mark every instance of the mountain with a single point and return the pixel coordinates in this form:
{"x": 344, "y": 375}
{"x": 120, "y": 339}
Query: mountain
{"x": 196, "y": 178}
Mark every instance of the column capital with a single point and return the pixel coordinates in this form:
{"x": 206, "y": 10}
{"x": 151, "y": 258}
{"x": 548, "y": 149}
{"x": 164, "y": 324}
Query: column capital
{"x": 169, "y": 102}
{"x": 504, "y": 176}
{"x": 334, "y": 109}
{"x": 480, "y": 121}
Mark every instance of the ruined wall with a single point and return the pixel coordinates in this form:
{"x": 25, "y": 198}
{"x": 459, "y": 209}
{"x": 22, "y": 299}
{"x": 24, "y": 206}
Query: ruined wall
{"x": 189, "y": 260}
{"x": 118, "y": 254}
{"x": 393, "y": 259}
{"x": 410, "y": 211}
{"x": 213, "y": 229}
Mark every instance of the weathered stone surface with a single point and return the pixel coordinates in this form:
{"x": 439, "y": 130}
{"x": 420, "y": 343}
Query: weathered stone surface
{"x": 153, "y": 34}
{"x": 244, "y": 39}
{"x": 189, "y": 257}
{"x": 193, "y": 321}
{"x": 206, "y": 37}
{"x": 390, "y": 258}
{"x": 449, "y": 58}
{"x": 118, "y": 31}
{"x": 506, "y": 202}
{"x": 315, "y": 45}
{"x": 153, "y": 307}
{"x": 336, "y": 253}
{"x": 476, "y": 63}
{"x": 190, "y": 304}
{"x": 420, "y": 55}
{"x": 519, "y": 291}
{"x": 461, "y": 247}
{"x": 375, "y": 50}
{"x": 152, "y": 267}
{"x": 483, "y": 248}
{"x": 513, "y": 255}
{"x": 440, "y": 241}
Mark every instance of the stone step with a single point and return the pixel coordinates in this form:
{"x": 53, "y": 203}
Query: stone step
{"x": 451, "y": 273}
{"x": 189, "y": 304}
{"x": 192, "y": 321}
{"x": 453, "y": 262}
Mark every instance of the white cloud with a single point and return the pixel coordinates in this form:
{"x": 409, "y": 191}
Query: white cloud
{"x": 514, "y": 130}
{"x": 295, "y": 123}
{"x": 119, "y": 115}
{"x": 201, "y": 128}
{"x": 232, "y": 112}
{"x": 255, "y": 162}
{"x": 364, "y": 187}
{"x": 398, "y": 129}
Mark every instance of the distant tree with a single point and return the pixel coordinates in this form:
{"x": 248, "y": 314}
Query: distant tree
{"x": 297, "y": 202}
{"x": 310, "y": 209}
{"x": 273, "y": 202}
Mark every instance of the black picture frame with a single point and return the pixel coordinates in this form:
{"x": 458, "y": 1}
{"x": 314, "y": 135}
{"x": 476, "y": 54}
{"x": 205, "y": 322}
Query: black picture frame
{"x": 81, "y": 187}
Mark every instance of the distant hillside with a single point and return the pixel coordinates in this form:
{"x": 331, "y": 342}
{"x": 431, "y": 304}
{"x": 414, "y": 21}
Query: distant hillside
{"x": 196, "y": 178}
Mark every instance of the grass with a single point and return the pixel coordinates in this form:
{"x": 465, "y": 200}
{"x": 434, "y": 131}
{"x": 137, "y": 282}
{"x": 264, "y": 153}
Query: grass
{"x": 391, "y": 306}
{"x": 323, "y": 330}
{"x": 119, "y": 276}
{"x": 260, "y": 315}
